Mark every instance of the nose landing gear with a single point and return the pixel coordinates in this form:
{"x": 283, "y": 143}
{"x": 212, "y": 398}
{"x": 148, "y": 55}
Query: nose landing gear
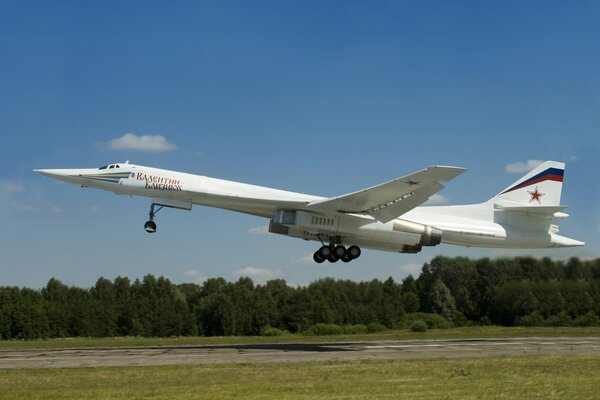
{"x": 150, "y": 225}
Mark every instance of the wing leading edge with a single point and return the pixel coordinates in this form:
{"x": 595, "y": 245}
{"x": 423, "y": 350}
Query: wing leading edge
{"x": 390, "y": 200}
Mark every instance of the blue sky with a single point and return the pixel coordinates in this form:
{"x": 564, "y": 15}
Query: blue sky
{"x": 317, "y": 97}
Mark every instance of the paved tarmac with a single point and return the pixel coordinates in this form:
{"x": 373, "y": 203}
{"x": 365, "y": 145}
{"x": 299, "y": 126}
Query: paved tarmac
{"x": 295, "y": 352}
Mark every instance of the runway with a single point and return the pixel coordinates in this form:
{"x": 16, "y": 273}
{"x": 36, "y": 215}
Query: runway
{"x": 295, "y": 352}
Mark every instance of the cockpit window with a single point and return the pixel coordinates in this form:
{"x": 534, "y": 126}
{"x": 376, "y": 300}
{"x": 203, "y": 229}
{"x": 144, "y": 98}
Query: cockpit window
{"x": 110, "y": 166}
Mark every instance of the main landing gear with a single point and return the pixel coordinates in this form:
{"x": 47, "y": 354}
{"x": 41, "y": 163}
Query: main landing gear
{"x": 333, "y": 253}
{"x": 150, "y": 225}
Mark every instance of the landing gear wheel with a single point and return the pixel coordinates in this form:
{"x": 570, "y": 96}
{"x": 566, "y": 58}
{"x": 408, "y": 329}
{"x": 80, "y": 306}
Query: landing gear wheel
{"x": 150, "y": 226}
{"x": 339, "y": 251}
{"x": 353, "y": 252}
{"x": 333, "y": 253}
{"x": 325, "y": 251}
{"x": 318, "y": 257}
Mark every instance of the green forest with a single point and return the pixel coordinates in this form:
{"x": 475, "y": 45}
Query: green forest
{"x": 448, "y": 292}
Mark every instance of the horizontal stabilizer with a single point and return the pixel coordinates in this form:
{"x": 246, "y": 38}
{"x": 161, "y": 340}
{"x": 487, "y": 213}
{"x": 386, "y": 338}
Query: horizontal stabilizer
{"x": 536, "y": 210}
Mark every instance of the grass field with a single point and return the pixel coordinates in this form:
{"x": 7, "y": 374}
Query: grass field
{"x": 512, "y": 378}
{"x": 525, "y": 377}
{"x": 404, "y": 334}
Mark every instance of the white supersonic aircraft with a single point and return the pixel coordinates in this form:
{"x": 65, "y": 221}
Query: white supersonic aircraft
{"x": 385, "y": 217}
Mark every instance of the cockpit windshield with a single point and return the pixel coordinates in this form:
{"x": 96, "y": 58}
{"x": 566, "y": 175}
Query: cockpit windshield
{"x": 110, "y": 166}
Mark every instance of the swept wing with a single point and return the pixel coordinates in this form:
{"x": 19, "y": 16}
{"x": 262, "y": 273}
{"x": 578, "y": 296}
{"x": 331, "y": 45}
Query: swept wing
{"x": 390, "y": 200}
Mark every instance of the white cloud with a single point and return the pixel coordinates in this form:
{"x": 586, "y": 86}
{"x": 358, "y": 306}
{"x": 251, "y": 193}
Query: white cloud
{"x": 258, "y": 274}
{"x": 23, "y": 207}
{"x": 93, "y": 209}
{"x": 523, "y": 167}
{"x": 12, "y": 187}
{"x": 145, "y": 143}
{"x": 437, "y": 199}
{"x": 413, "y": 269}
{"x": 306, "y": 260}
{"x": 40, "y": 206}
{"x": 55, "y": 209}
{"x": 259, "y": 230}
{"x": 27, "y": 199}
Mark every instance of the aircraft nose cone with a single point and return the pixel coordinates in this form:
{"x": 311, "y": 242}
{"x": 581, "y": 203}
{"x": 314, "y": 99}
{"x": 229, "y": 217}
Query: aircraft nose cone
{"x": 47, "y": 172}
{"x": 66, "y": 175}
{"x": 53, "y": 173}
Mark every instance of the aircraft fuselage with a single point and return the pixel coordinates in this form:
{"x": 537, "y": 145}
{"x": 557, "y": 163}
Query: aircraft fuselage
{"x": 489, "y": 224}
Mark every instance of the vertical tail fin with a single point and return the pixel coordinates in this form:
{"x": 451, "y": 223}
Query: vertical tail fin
{"x": 542, "y": 186}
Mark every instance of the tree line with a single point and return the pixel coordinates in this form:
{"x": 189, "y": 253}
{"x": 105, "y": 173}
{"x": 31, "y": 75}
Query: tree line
{"x": 448, "y": 292}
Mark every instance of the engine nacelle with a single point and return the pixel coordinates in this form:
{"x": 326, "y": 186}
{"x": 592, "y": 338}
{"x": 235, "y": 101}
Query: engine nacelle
{"x": 430, "y": 236}
{"x": 411, "y": 249}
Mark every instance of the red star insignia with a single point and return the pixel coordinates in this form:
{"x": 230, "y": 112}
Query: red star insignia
{"x": 536, "y": 195}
